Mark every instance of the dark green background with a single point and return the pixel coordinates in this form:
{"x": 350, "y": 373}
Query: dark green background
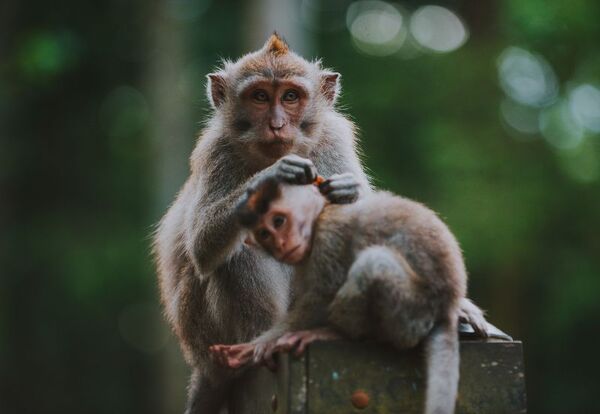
{"x": 97, "y": 122}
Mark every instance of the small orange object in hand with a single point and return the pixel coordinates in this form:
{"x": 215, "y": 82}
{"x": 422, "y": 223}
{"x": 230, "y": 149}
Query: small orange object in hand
{"x": 319, "y": 180}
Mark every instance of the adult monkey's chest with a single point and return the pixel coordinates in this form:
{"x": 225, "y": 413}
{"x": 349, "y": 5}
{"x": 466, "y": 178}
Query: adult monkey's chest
{"x": 252, "y": 289}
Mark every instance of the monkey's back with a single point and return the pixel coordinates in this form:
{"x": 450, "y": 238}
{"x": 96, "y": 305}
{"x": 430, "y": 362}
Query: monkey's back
{"x": 405, "y": 226}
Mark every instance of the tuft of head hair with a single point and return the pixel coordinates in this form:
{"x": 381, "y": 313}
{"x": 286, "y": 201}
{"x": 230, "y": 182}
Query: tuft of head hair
{"x": 276, "y": 45}
{"x": 257, "y": 202}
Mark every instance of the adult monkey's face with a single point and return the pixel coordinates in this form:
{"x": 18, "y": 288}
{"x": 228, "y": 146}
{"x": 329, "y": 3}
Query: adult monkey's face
{"x": 273, "y": 101}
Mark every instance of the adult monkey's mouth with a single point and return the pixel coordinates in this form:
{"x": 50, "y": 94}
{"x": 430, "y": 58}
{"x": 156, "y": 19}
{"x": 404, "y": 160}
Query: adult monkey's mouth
{"x": 276, "y": 149}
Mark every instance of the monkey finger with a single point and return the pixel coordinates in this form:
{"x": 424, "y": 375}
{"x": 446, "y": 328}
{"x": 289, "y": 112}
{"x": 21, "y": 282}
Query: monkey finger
{"x": 310, "y": 172}
{"x": 224, "y": 356}
{"x": 294, "y": 175}
{"x": 303, "y": 343}
{"x": 259, "y": 352}
{"x": 327, "y": 187}
{"x": 243, "y": 352}
{"x": 303, "y": 178}
{"x": 342, "y": 196}
{"x": 287, "y": 342}
{"x": 301, "y": 174}
{"x": 287, "y": 177}
{"x": 342, "y": 182}
{"x": 307, "y": 168}
{"x": 218, "y": 354}
{"x": 296, "y": 160}
{"x": 235, "y": 363}
{"x": 290, "y": 169}
{"x": 246, "y": 354}
{"x": 342, "y": 177}
{"x": 215, "y": 350}
{"x": 240, "y": 359}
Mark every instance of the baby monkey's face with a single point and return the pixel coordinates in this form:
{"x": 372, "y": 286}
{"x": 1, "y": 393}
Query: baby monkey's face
{"x": 285, "y": 230}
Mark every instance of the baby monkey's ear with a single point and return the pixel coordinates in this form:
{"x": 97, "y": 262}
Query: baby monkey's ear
{"x": 257, "y": 201}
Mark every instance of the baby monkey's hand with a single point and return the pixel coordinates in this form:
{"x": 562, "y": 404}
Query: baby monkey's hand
{"x": 233, "y": 356}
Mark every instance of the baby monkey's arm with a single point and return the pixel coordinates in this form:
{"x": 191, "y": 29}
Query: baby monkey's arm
{"x": 303, "y": 325}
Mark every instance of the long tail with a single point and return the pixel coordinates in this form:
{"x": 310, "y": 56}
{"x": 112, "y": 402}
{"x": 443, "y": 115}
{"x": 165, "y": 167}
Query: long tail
{"x": 442, "y": 357}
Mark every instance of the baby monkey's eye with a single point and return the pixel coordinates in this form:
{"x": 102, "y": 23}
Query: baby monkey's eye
{"x": 260, "y": 96}
{"x": 263, "y": 234}
{"x": 290, "y": 95}
{"x": 278, "y": 221}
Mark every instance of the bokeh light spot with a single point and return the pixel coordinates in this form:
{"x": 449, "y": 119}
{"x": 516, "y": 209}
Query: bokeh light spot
{"x": 521, "y": 118}
{"x": 46, "y": 54}
{"x": 584, "y": 102}
{"x": 377, "y": 27}
{"x": 527, "y": 78}
{"x": 581, "y": 164}
{"x": 559, "y": 127}
{"x": 438, "y": 29}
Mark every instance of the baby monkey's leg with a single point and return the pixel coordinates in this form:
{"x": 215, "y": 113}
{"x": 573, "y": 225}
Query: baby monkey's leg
{"x": 380, "y": 298}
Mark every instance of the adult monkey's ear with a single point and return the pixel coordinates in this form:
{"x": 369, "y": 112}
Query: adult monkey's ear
{"x": 215, "y": 89}
{"x": 330, "y": 86}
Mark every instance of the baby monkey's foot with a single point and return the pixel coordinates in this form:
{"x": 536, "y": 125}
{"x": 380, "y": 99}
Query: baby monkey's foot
{"x": 301, "y": 339}
{"x": 233, "y": 356}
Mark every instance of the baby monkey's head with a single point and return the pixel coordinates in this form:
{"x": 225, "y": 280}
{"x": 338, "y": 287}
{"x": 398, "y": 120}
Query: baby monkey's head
{"x": 281, "y": 217}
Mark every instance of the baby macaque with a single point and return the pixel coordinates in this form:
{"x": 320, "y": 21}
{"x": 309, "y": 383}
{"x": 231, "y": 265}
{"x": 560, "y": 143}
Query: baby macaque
{"x": 384, "y": 267}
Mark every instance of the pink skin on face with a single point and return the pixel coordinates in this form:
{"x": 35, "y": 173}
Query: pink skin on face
{"x": 285, "y": 230}
{"x": 275, "y": 108}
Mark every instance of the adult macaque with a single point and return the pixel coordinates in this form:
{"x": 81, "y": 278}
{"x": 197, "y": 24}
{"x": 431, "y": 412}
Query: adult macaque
{"x": 215, "y": 288}
{"x": 383, "y": 267}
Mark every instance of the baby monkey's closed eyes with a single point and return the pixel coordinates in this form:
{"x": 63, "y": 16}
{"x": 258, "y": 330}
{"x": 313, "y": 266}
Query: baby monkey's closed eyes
{"x": 384, "y": 267}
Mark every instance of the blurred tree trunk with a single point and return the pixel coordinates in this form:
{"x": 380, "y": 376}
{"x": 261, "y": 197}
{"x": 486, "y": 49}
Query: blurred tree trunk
{"x": 171, "y": 151}
{"x": 262, "y": 17}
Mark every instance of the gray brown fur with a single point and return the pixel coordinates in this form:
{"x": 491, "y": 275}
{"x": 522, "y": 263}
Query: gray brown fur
{"x": 214, "y": 288}
{"x": 388, "y": 268}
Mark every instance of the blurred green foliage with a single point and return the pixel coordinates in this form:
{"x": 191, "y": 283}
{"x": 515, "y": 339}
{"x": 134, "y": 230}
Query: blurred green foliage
{"x": 80, "y": 329}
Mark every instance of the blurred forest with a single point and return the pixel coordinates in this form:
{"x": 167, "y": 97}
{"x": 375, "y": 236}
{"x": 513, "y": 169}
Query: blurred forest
{"x": 488, "y": 111}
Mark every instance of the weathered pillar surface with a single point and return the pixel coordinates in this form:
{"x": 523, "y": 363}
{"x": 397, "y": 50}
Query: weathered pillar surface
{"x": 335, "y": 377}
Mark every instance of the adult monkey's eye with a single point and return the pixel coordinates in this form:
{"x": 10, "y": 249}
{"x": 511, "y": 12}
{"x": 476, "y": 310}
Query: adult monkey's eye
{"x": 278, "y": 221}
{"x": 260, "y": 96}
{"x": 291, "y": 95}
{"x": 263, "y": 234}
